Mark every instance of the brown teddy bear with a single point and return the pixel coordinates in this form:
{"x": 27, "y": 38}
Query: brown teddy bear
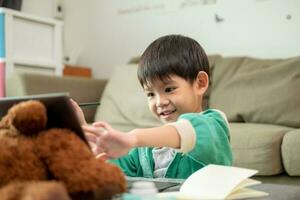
{"x": 31, "y": 156}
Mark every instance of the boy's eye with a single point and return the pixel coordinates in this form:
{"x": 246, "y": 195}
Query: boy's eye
{"x": 169, "y": 89}
{"x": 150, "y": 94}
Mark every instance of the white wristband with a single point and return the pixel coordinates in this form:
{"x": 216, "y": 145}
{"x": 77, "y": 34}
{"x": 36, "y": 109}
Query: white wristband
{"x": 187, "y": 135}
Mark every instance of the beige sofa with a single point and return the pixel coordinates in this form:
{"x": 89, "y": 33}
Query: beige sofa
{"x": 261, "y": 98}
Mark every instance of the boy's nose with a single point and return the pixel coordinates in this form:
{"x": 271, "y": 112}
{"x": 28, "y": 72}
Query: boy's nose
{"x": 161, "y": 101}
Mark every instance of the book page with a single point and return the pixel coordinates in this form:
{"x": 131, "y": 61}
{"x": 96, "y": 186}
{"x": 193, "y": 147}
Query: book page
{"x": 247, "y": 182}
{"x": 217, "y": 182}
{"x": 246, "y": 193}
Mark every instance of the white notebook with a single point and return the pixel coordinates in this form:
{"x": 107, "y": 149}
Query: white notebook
{"x": 217, "y": 182}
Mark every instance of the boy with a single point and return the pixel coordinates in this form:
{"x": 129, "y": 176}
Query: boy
{"x": 173, "y": 72}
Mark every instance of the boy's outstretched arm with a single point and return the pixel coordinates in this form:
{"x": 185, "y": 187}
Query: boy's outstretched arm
{"x": 116, "y": 144}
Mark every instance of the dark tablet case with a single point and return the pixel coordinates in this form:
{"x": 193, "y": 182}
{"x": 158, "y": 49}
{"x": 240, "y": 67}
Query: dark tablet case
{"x": 59, "y": 110}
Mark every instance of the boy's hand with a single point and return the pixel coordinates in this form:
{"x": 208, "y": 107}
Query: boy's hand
{"x": 93, "y": 141}
{"x": 112, "y": 143}
{"x": 79, "y": 113}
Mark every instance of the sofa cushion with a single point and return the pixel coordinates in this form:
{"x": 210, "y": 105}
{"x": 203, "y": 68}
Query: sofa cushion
{"x": 123, "y": 103}
{"x": 257, "y": 90}
{"x": 258, "y": 146}
{"x": 291, "y": 152}
{"x": 212, "y": 59}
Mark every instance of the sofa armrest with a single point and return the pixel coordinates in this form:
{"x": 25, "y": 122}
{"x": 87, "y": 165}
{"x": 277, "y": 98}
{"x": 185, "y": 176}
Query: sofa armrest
{"x": 290, "y": 152}
{"x": 80, "y": 89}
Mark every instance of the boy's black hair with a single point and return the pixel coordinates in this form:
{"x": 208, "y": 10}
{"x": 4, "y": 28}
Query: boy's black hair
{"x": 172, "y": 55}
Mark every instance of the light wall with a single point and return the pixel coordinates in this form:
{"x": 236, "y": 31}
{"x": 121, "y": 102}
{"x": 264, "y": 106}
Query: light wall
{"x": 42, "y": 8}
{"x": 105, "y": 33}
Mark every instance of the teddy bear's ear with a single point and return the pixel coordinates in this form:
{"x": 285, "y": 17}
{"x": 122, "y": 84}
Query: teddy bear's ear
{"x": 6, "y": 127}
{"x": 5, "y": 122}
{"x": 29, "y": 117}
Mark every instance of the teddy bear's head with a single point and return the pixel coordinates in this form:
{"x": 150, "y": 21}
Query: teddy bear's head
{"x": 28, "y": 118}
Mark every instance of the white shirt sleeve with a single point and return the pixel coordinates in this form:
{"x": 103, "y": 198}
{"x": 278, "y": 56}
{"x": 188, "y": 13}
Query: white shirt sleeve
{"x": 187, "y": 135}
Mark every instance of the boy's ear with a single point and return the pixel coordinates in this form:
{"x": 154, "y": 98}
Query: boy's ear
{"x": 202, "y": 82}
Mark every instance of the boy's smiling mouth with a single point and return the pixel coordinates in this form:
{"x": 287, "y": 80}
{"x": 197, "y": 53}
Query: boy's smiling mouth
{"x": 166, "y": 113}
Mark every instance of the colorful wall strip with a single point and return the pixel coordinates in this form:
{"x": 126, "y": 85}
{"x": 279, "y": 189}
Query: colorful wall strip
{"x": 2, "y": 35}
{"x": 2, "y": 78}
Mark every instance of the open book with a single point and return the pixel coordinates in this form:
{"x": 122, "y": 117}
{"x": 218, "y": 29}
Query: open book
{"x": 217, "y": 182}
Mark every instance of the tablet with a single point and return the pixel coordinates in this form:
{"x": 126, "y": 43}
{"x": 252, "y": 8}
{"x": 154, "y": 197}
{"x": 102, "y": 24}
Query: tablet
{"x": 59, "y": 110}
{"x": 162, "y": 184}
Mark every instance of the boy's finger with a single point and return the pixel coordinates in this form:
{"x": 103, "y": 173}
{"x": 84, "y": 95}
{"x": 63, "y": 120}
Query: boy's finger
{"x": 103, "y": 125}
{"x": 74, "y": 104}
{"x": 102, "y": 156}
{"x": 98, "y": 123}
{"x": 72, "y": 100}
{"x": 98, "y": 150}
{"x": 91, "y": 138}
{"x": 93, "y": 130}
{"x": 93, "y": 147}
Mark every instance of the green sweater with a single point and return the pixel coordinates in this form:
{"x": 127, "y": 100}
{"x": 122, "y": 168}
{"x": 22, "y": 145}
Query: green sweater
{"x": 212, "y": 147}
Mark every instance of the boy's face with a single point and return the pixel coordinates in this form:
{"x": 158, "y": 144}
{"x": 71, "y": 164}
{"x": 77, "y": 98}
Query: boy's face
{"x": 167, "y": 100}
